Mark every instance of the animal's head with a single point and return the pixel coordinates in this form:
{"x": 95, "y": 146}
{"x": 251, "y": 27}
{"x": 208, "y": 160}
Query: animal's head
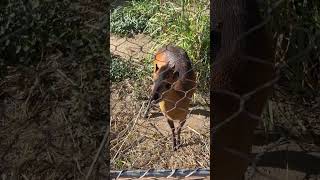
{"x": 164, "y": 77}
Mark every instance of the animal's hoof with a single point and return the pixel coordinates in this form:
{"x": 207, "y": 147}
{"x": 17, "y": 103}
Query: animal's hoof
{"x": 174, "y": 148}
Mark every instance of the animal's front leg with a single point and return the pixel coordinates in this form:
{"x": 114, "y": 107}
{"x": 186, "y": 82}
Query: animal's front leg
{"x": 174, "y": 143}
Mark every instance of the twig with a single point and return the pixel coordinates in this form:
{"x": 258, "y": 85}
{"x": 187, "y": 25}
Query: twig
{"x": 65, "y": 76}
{"x": 194, "y": 130}
{"x": 135, "y": 121}
{"x": 102, "y": 144}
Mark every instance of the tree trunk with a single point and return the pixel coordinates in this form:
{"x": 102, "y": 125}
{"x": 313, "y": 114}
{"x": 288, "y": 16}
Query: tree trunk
{"x": 232, "y": 72}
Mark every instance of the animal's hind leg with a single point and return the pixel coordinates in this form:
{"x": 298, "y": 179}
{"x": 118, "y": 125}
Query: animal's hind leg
{"x": 171, "y": 124}
{"x": 181, "y": 123}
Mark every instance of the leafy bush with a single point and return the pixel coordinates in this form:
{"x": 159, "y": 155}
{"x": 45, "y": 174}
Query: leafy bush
{"x": 121, "y": 70}
{"x": 133, "y": 17}
{"x": 34, "y": 26}
{"x": 32, "y": 30}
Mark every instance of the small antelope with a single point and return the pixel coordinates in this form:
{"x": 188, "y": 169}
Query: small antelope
{"x": 174, "y": 83}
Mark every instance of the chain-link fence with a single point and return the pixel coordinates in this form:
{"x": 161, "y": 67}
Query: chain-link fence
{"x": 141, "y": 32}
{"x": 243, "y": 72}
{"x": 243, "y": 77}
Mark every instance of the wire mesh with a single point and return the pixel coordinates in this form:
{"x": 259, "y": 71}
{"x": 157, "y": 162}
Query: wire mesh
{"x": 161, "y": 173}
{"x": 144, "y": 143}
{"x": 226, "y": 88}
{"x": 176, "y": 91}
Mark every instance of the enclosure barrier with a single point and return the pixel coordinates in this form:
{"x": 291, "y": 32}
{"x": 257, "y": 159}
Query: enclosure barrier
{"x": 135, "y": 53}
{"x": 278, "y": 65}
{"x": 160, "y": 173}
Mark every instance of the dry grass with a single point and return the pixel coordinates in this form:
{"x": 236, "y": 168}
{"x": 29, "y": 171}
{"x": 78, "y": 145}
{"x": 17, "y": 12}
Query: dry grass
{"x": 296, "y": 118}
{"x": 52, "y": 119}
{"x": 138, "y": 143}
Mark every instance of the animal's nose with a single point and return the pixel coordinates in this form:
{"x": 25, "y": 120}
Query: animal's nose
{"x": 156, "y": 97}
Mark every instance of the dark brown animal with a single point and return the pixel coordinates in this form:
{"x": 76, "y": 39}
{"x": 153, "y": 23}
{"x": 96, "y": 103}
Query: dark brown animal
{"x": 239, "y": 69}
{"x": 174, "y": 83}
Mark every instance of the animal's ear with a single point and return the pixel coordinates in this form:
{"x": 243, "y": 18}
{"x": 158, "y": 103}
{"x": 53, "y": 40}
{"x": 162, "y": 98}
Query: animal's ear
{"x": 173, "y": 67}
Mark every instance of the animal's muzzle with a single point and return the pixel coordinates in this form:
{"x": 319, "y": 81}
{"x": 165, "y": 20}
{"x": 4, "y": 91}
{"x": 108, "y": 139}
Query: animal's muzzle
{"x": 155, "y": 98}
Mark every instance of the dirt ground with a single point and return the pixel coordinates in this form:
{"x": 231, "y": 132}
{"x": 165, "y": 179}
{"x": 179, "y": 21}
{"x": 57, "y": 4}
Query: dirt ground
{"x": 137, "y": 48}
{"x": 146, "y": 143}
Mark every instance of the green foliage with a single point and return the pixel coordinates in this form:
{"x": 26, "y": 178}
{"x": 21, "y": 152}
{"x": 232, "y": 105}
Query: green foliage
{"x": 120, "y": 70}
{"x": 133, "y": 17}
{"x": 31, "y": 30}
{"x": 35, "y": 25}
{"x": 185, "y": 23}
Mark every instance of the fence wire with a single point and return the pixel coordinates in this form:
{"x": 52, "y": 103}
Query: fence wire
{"x": 253, "y": 170}
{"x": 161, "y": 173}
{"x": 144, "y": 143}
{"x": 136, "y": 143}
